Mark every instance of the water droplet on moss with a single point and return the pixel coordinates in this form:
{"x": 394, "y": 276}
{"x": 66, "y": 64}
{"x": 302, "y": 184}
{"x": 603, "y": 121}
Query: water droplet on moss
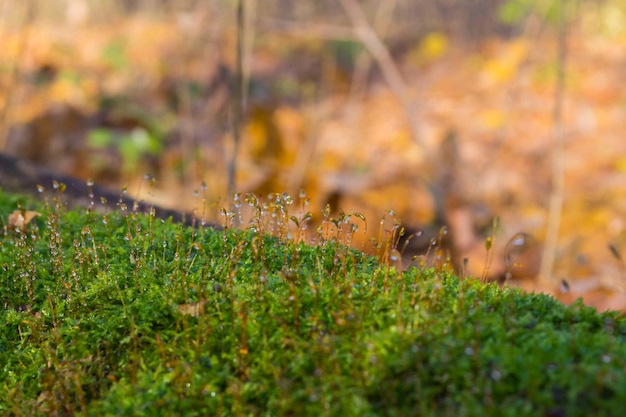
{"x": 519, "y": 239}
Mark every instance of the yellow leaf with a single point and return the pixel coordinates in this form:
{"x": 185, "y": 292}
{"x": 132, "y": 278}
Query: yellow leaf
{"x": 620, "y": 165}
{"x": 433, "y": 46}
{"x": 291, "y": 125}
{"x": 263, "y": 141}
{"x": 492, "y": 119}
{"x": 503, "y": 67}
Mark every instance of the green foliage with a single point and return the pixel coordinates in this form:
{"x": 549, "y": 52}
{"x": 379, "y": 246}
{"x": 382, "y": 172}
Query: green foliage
{"x": 114, "y": 54}
{"x": 514, "y": 11}
{"x": 125, "y": 314}
{"x": 145, "y": 135}
{"x": 131, "y": 145}
{"x": 345, "y": 53}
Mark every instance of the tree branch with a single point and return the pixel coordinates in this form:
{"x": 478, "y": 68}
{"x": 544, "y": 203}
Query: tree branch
{"x": 381, "y": 54}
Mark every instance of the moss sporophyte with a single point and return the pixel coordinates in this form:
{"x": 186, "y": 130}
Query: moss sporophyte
{"x": 123, "y": 313}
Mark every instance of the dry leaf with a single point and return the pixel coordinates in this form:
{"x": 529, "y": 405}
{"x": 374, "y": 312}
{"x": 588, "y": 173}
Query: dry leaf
{"x": 192, "y": 309}
{"x": 20, "y": 218}
{"x": 503, "y": 68}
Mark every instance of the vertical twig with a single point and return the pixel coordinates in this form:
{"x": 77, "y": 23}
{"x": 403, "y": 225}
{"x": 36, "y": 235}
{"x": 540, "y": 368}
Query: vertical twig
{"x": 14, "y": 68}
{"x": 249, "y": 34}
{"x": 238, "y": 100}
{"x": 558, "y": 157}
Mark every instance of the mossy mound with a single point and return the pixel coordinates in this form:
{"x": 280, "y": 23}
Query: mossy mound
{"x": 124, "y": 314}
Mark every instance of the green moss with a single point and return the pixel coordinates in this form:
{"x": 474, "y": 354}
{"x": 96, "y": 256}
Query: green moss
{"x": 125, "y": 314}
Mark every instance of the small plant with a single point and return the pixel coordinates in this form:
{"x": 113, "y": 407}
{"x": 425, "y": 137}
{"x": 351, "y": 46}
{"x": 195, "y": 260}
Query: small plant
{"x": 128, "y": 314}
{"x": 131, "y": 146}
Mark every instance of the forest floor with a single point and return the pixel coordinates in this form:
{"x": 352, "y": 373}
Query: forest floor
{"x": 114, "y": 102}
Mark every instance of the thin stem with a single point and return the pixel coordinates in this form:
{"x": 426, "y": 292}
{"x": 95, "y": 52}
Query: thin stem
{"x": 238, "y": 100}
{"x": 558, "y": 153}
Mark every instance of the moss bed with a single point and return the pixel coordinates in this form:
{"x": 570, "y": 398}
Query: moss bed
{"x": 126, "y": 314}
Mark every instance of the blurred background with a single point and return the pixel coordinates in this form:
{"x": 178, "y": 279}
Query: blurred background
{"x": 443, "y": 111}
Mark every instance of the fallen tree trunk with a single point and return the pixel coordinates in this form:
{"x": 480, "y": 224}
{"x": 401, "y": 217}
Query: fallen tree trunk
{"x": 24, "y": 177}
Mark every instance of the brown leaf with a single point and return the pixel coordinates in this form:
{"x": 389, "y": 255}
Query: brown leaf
{"x": 20, "y": 218}
{"x": 192, "y": 309}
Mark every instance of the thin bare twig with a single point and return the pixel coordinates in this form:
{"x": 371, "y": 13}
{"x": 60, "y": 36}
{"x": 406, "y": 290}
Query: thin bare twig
{"x": 383, "y": 58}
{"x": 14, "y": 70}
{"x": 249, "y": 31}
{"x": 306, "y": 29}
{"x": 383, "y": 18}
{"x": 558, "y": 153}
{"x": 238, "y": 100}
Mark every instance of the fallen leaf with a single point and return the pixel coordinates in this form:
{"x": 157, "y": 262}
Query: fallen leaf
{"x": 192, "y": 309}
{"x": 20, "y": 218}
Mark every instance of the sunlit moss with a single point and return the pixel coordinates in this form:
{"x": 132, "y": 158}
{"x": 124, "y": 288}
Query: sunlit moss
{"x": 138, "y": 315}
